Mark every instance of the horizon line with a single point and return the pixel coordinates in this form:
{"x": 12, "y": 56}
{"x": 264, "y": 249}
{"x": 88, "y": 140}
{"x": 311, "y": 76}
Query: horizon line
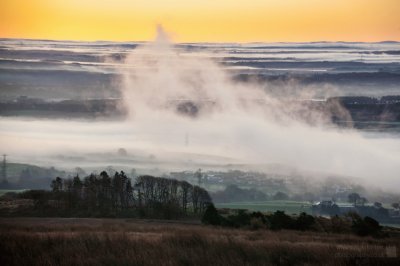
{"x": 204, "y": 42}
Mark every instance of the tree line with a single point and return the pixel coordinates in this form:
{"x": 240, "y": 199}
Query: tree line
{"x": 149, "y": 196}
{"x": 351, "y": 223}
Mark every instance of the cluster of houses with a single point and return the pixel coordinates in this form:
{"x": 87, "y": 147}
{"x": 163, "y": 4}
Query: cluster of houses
{"x": 376, "y": 211}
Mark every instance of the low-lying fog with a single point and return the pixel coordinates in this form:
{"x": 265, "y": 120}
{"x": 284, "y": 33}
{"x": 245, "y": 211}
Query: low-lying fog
{"x": 238, "y": 124}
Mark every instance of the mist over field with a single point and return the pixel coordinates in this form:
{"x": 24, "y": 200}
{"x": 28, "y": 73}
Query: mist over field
{"x": 188, "y": 110}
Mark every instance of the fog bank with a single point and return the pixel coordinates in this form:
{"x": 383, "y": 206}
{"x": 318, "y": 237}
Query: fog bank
{"x": 222, "y": 122}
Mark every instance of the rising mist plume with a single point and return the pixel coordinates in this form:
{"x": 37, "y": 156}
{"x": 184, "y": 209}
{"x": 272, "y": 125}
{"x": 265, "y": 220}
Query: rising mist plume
{"x": 183, "y": 108}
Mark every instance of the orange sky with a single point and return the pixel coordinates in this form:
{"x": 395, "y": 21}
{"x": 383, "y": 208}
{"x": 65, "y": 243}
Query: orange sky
{"x": 202, "y": 20}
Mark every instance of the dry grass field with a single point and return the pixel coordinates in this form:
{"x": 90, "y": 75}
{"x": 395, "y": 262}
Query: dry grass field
{"x": 71, "y": 241}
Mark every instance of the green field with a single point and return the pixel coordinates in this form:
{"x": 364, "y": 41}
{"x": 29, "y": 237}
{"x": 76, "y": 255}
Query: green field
{"x": 4, "y": 191}
{"x": 290, "y": 207}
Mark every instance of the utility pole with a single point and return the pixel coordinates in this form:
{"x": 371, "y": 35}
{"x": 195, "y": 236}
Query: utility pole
{"x": 187, "y": 139}
{"x": 4, "y": 168}
{"x": 199, "y": 176}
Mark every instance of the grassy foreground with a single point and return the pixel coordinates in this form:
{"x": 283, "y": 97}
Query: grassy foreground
{"x": 71, "y": 241}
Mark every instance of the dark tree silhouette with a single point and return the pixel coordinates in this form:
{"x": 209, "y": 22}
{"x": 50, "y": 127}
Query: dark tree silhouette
{"x": 57, "y": 184}
{"x": 152, "y": 196}
{"x": 353, "y": 198}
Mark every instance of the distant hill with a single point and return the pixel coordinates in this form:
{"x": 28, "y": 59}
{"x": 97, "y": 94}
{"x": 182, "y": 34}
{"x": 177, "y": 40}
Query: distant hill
{"x": 29, "y": 176}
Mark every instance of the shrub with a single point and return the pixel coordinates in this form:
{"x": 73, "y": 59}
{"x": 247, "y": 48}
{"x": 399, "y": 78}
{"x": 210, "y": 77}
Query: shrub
{"x": 256, "y": 223}
{"x": 279, "y": 220}
{"x": 304, "y": 222}
{"x": 211, "y": 216}
{"x": 366, "y": 226}
{"x": 242, "y": 218}
{"x": 40, "y": 197}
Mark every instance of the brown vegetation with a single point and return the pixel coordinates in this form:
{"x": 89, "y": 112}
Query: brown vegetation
{"x": 70, "y": 241}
